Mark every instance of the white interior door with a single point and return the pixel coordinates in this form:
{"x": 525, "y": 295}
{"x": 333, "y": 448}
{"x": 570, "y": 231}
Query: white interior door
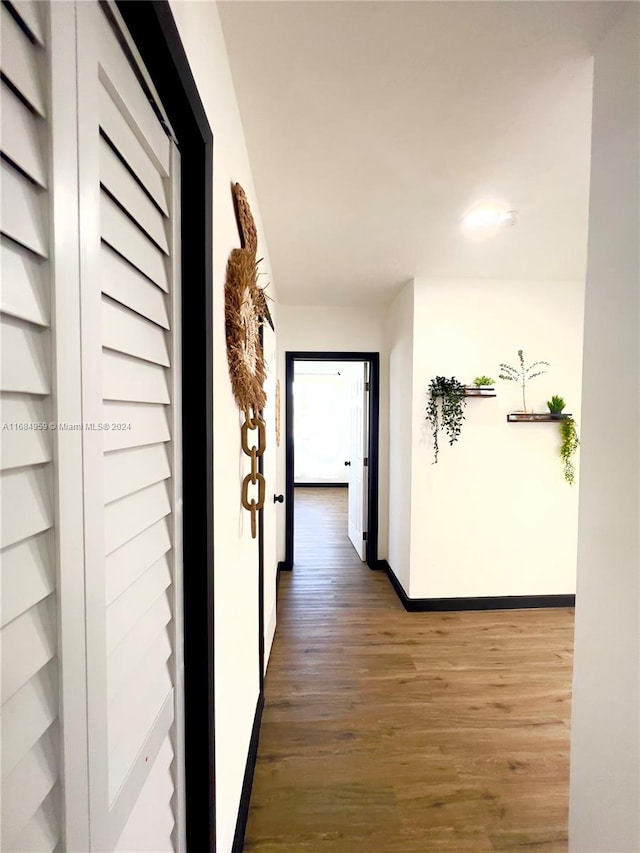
{"x": 129, "y": 213}
{"x": 29, "y": 629}
{"x": 90, "y": 465}
{"x": 358, "y": 463}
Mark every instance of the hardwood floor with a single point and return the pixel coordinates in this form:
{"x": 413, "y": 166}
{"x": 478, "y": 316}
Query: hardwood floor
{"x": 392, "y": 732}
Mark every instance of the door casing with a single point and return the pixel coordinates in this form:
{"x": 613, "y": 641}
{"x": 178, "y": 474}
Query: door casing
{"x": 373, "y": 360}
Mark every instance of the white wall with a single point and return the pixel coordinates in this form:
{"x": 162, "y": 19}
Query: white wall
{"x": 236, "y": 554}
{"x": 400, "y": 344}
{"x": 605, "y": 742}
{"x": 494, "y": 516}
{"x": 336, "y": 330}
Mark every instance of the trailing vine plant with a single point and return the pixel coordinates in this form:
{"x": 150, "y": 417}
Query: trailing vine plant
{"x": 568, "y": 446}
{"x": 522, "y": 374}
{"x": 446, "y": 401}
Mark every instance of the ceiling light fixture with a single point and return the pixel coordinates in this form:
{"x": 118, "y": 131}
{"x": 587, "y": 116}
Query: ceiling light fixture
{"x": 488, "y": 218}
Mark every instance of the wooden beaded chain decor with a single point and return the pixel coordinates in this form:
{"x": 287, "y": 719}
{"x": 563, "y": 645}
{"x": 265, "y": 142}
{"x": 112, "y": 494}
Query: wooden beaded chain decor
{"x": 245, "y": 311}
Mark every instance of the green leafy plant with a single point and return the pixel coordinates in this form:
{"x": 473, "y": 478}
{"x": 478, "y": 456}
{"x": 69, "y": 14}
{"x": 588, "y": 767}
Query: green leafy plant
{"x": 522, "y": 374}
{"x": 556, "y": 404}
{"x": 445, "y": 409}
{"x": 479, "y": 381}
{"x": 568, "y": 446}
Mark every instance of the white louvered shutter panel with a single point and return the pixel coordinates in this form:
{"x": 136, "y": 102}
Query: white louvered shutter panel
{"x": 131, "y": 175}
{"x": 30, "y": 781}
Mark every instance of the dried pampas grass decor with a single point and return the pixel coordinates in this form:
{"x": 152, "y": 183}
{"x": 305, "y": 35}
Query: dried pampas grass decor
{"x": 247, "y": 367}
{"x": 245, "y": 311}
{"x": 246, "y": 224}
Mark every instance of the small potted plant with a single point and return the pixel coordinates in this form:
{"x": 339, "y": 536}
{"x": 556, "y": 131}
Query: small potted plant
{"x": 555, "y": 405}
{"x": 483, "y": 382}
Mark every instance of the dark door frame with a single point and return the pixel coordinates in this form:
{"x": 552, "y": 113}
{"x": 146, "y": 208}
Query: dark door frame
{"x": 156, "y": 36}
{"x": 373, "y": 360}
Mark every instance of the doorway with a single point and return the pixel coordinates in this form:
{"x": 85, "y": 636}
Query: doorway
{"x": 356, "y": 436}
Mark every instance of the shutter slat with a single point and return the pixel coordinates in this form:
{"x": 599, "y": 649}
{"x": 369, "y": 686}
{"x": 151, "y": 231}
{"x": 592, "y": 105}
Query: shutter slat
{"x": 127, "y": 471}
{"x": 41, "y": 832}
{"x": 27, "y": 716}
{"x": 23, "y": 211}
{"x": 27, "y": 503}
{"x": 132, "y": 713}
{"x": 115, "y": 127}
{"x": 128, "y": 333}
{"x": 148, "y": 789}
{"x": 133, "y": 380}
{"x": 28, "y": 643}
{"x": 119, "y": 183}
{"x": 20, "y": 447}
{"x": 30, "y": 12}
{"x": 127, "y": 735}
{"x": 149, "y": 425}
{"x": 27, "y": 786}
{"x": 125, "y": 658}
{"x": 159, "y": 654}
{"x": 20, "y": 62}
{"x": 123, "y": 86}
{"x": 25, "y": 361}
{"x": 27, "y": 576}
{"x": 128, "y": 240}
{"x": 125, "y": 518}
{"x": 126, "y": 285}
{"x": 125, "y": 565}
{"x": 23, "y": 292}
{"x": 128, "y": 608}
{"x": 20, "y": 136}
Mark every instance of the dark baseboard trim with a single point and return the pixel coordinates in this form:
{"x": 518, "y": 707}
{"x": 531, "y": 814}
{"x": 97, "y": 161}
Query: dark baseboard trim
{"x": 321, "y": 485}
{"x": 493, "y": 602}
{"x": 247, "y": 784}
{"x": 283, "y": 566}
{"x": 279, "y": 568}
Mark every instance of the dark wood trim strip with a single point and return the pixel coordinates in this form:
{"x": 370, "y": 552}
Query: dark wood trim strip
{"x": 281, "y": 567}
{"x": 156, "y": 36}
{"x": 374, "y": 461}
{"x": 321, "y": 485}
{"x": 373, "y": 360}
{"x": 261, "y": 568}
{"x": 261, "y": 589}
{"x": 289, "y": 469}
{"x": 247, "y": 783}
{"x": 493, "y": 602}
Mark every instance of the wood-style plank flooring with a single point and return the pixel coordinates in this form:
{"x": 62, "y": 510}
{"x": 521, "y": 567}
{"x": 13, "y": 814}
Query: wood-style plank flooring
{"x": 391, "y": 732}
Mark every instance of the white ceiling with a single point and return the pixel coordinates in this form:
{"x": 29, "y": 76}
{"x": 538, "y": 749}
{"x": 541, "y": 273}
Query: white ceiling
{"x": 373, "y": 126}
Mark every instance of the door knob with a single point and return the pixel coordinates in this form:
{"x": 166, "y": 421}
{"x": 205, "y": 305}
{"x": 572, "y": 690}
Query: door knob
{"x": 278, "y": 499}
{"x": 348, "y": 464}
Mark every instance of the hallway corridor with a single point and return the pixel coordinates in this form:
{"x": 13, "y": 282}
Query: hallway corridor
{"x": 393, "y": 732}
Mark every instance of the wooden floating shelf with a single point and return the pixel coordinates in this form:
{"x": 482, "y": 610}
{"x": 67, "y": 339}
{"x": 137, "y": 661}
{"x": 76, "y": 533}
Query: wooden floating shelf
{"x": 472, "y": 391}
{"x": 535, "y": 417}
